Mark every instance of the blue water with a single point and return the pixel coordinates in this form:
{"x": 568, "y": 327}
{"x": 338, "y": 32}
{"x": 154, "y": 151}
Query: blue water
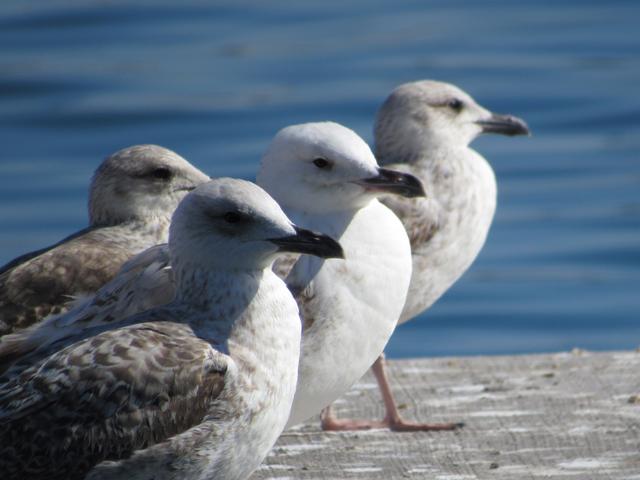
{"x": 215, "y": 80}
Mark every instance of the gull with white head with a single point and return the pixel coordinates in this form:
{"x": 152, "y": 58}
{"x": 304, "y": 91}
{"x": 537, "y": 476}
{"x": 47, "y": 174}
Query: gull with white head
{"x": 425, "y": 128}
{"x": 132, "y": 196}
{"x": 199, "y": 388}
{"x": 326, "y": 177}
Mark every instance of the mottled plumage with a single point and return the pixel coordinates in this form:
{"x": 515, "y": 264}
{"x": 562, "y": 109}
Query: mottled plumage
{"x": 132, "y": 196}
{"x": 424, "y": 128}
{"x": 446, "y": 230}
{"x": 198, "y": 388}
{"x": 93, "y": 400}
{"x": 143, "y": 282}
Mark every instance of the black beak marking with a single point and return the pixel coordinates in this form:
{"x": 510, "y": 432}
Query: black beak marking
{"x": 392, "y": 181}
{"x": 311, "y": 243}
{"x": 504, "y": 125}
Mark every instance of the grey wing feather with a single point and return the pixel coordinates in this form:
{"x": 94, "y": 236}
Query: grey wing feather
{"x": 104, "y": 398}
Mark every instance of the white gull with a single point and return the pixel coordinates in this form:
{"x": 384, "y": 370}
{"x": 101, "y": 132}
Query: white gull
{"x": 326, "y": 177}
{"x": 198, "y": 388}
{"x": 131, "y": 198}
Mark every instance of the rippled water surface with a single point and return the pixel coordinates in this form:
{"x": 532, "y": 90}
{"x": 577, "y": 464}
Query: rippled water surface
{"x": 215, "y": 80}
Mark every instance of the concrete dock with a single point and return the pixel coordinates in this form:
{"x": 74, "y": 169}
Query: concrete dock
{"x": 566, "y": 416}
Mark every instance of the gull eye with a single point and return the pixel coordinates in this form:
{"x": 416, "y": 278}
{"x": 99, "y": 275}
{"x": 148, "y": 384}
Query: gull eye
{"x": 232, "y": 217}
{"x": 455, "y": 104}
{"x": 322, "y": 163}
{"x": 161, "y": 173}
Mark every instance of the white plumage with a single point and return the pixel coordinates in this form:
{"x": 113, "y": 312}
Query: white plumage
{"x": 349, "y": 308}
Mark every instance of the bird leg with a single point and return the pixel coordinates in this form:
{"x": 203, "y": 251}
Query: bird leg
{"x": 392, "y": 419}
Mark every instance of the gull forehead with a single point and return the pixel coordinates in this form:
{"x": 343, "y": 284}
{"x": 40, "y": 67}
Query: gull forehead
{"x": 137, "y": 159}
{"x": 430, "y": 92}
{"x": 237, "y": 195}
{"x": 324, "y": 138}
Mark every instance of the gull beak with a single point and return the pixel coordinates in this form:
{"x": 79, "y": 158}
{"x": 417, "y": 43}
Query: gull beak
{"x": 312, "y": 243}
{"x": 504, "y": 125}
{"x": 392, "y": 181}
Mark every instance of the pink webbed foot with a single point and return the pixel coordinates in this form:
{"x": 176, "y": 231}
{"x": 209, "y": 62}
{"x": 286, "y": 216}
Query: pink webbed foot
{"x": 392, "y": 420}
{"x": 329, "y": 422}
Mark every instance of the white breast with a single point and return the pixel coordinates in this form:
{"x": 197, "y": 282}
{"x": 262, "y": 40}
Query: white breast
{"x": 355, "y": 304}
{"x": 266, "y": 351}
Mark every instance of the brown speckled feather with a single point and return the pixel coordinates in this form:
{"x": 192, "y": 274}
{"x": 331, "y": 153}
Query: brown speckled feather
{"x": 283, "y": 265}
{"x": 303, "y": 292}
{"x": 421, "y": 216}
{"x": 419, "y": 219}
{"x": 305, "y": 299}
{"x": 105, "y": 397}
{"x": 142, "y": 283}
{"x": 45, "y": 282}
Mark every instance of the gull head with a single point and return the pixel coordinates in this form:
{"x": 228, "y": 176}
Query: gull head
{"x": 230, "y": 224}
{"x": 140, "y": 182}
{"x": 425, "y": 116}
{"x": 325, "y": 167}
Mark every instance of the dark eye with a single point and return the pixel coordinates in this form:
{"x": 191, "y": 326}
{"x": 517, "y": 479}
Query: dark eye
{"x": 161, "y": 173}
{"x": 455, "y": 104}
{"x": 322, "y": 163}
{"x": 232, "y": 217}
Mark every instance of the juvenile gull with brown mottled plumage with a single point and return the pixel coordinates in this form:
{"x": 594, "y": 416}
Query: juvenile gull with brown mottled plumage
{"x": 132, "y": 196}
{"x": 199, "y": 388}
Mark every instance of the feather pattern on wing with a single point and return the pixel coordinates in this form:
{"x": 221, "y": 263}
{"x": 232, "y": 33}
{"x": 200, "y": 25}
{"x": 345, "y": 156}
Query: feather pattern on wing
{"x": 144, "y": 282}
{"x": 129, "y": 388}
{"x": 45, "y": 282}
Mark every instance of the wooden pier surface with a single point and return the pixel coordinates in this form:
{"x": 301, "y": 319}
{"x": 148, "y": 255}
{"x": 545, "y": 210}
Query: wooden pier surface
{"x": 559, "y": 416}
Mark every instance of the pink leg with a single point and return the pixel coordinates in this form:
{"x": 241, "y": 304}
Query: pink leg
{"x": 392, "y": 419}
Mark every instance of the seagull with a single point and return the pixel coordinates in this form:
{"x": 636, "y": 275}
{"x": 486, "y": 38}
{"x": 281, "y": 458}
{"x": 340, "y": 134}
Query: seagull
{"x": 198, "y": 388}
{"x": 424, "y": 128}
{"x": 326, "y": 178}
{"x": 131, "y": 198}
